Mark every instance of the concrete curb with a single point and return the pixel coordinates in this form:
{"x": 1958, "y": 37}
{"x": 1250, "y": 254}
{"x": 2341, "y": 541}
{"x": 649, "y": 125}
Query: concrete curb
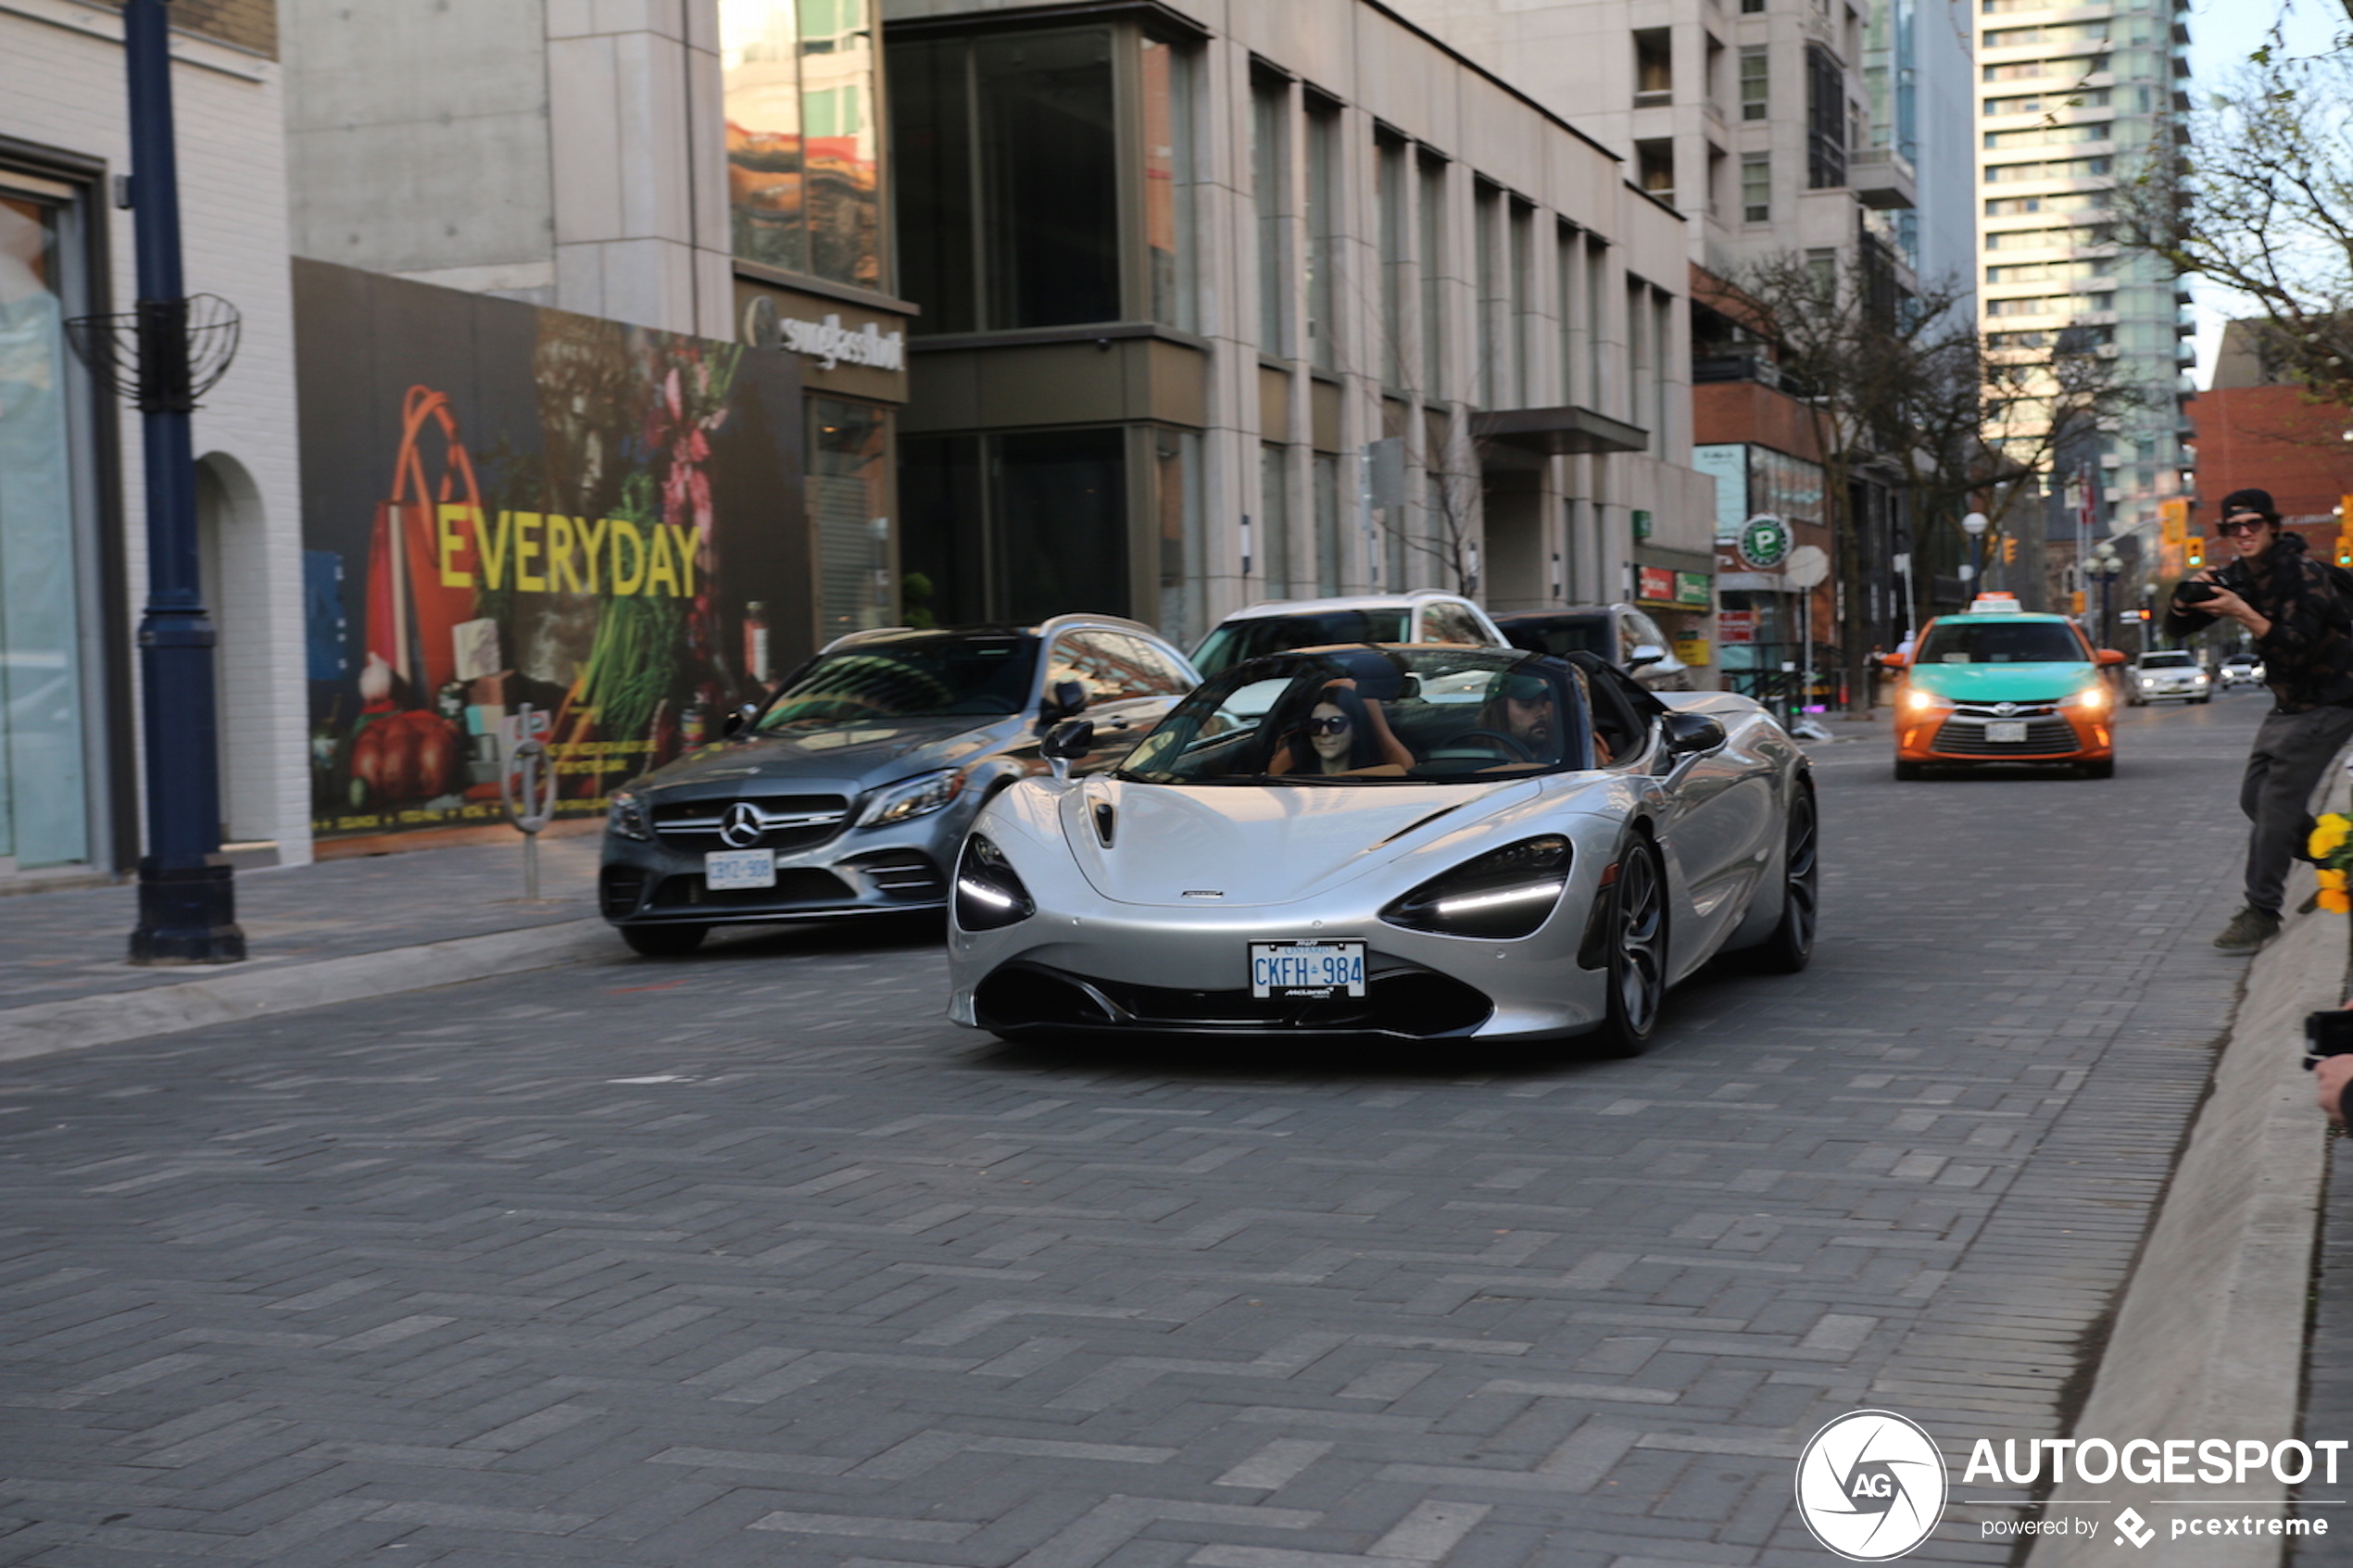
{"x": 2210, "y": 1337}
{"x": 48, "y": 1027}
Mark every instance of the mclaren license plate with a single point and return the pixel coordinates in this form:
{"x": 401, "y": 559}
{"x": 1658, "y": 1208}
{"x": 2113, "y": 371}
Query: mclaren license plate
{"x": 723, "y": 871}
{"x": 2007, "y": 732}
{"x": 1313, "y": 970}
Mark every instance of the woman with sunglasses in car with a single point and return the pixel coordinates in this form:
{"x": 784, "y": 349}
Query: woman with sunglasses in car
{"x": 1344, "y": 733}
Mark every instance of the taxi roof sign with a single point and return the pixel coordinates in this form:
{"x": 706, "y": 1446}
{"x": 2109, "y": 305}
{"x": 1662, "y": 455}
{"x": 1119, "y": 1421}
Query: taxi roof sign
{"x": 1994, "y": 604}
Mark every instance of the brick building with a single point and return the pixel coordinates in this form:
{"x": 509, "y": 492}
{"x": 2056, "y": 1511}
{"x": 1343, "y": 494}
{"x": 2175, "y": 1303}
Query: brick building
{"x": 2254, "y": 427}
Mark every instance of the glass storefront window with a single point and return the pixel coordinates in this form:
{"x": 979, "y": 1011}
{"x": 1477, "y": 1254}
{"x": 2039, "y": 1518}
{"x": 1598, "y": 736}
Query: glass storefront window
{"x": 804, "y": 147}
{"x": 1183, "y": 563}
{"x": 1050, "y": 185}
{"x": 44, "y": 767}
{"x": 850, "y": 500}
{"x": 1274, "y": 519}
{"x": 1015, "y": 528}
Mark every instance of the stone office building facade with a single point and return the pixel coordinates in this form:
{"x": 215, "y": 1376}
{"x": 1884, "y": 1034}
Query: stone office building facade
{"x": 1222, "y": 303}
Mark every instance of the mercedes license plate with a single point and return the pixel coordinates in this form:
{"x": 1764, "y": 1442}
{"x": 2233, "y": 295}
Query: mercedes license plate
{"x": 2009, "y": 732}
{"x": 727, "y": 869}
{"x": 1309, "y": 969}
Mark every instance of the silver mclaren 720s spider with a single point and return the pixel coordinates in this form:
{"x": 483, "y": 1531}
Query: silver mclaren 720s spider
{"x": 1417, "y": 841}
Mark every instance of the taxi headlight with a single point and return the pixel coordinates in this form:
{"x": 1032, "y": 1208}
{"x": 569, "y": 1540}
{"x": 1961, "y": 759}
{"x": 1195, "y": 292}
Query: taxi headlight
{"x": 1919, "y": 702}
{"x": 989, "y": 896}
{"x": 1507, "y": 892}
{"x": 2093, "y": 697}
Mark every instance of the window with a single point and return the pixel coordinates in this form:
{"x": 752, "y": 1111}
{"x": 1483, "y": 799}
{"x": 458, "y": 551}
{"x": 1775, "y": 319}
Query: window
{"x": 1146, "y": 667}
{"x": 1327, "y": 523}
{"x": 1752, "y": 7}
{"x": 1168, "y": 181}
{"x": 1598, "y": 383}
{"x": 1113, "y": 667}
{"x": 2049, "y": 33}
{"x": 45, "y": 813}
{"x": 1274, "y": 519}
{"x": 1487, "y": 215}
{"x": 2050, "y": 271}
{"x": 2050, "y": 135}
{"x": 1756, "y": 82}
{"x": 804, "y": 154}
{"x": 2053, "y": 169}
{"x": 1016, "y": 527}
{"x": 1654, "y": 167}
{"x": 1270, "y": 183}
{"x": 2043, "y": 239}
{"x": 1523, "y": 299}
{"x": 1756, "y": 187}
{"x": 2047, "y": 103}
{"x": 850, "y": 512}
{"x": 1565, "y": 246}
{"x": 2063, "y": 201}
{"x": 1323, "y": 231}
{"x": 1184, "y": 561}
{"x": 1654, "y": 67}
{"x": 1009, "y": 191}
{"x": 1390, "y": 192}
{"x": 1431, "y": 251}
{"x": 2032, "y": 71}
{"x": 1825, "y": 119}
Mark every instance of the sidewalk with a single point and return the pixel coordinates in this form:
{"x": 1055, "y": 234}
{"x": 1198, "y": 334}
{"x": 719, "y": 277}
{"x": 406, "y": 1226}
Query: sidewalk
{"x": 66, "y": 945}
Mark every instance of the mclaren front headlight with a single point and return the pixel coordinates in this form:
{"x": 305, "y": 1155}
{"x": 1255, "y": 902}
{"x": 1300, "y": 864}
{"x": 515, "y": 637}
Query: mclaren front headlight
{"x": 918, "y": 797}
{"x": 625, "y": 817}
{"x": 1508, "y": 891}
{"x": 989, "y": 896}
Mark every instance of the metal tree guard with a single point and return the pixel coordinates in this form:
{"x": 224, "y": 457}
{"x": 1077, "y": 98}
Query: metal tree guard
{"x": 187, "y": 895}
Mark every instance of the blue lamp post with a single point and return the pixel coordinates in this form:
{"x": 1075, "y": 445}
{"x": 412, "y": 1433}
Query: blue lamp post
{"x": 187, "y": 897}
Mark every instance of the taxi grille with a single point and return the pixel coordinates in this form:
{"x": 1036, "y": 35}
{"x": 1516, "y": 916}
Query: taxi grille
{"x": 2043, "y": 737}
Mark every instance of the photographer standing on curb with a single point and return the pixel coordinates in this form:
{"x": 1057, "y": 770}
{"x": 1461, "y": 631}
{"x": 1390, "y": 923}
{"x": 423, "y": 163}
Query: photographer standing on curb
{"x": 2303, "y": 624}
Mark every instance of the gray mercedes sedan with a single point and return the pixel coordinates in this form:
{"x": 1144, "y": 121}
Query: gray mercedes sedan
{"x": 848, "y": 791}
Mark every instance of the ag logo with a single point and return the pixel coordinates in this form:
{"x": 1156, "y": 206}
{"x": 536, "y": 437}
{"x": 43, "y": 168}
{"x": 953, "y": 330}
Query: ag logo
{"x": 1870, "y": 1486}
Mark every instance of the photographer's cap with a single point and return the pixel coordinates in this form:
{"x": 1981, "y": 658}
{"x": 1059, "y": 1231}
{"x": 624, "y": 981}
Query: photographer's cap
{"x": 2250, "y": 501}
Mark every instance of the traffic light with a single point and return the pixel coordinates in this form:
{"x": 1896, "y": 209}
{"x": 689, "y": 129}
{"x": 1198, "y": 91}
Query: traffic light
{"x": 2009, "y": 549}
{"x": 2344, "y": 548}
{"x": 2196, "y": 555}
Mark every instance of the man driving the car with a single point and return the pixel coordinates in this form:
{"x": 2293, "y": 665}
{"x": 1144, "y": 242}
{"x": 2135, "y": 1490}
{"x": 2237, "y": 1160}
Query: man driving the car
{"x": 1524, "y": 706}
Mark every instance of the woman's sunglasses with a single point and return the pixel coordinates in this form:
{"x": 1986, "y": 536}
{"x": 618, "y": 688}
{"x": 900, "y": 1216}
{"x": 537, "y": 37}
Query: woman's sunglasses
{"x": 1335, "y": 726}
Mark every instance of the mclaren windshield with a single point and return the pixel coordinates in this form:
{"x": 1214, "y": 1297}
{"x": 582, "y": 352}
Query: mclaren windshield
{"x": 1362, "y": 715}
{"x": 929, "y": 675}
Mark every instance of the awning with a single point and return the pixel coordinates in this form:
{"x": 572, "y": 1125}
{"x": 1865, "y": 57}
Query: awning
{"x": 1558, "y": 432}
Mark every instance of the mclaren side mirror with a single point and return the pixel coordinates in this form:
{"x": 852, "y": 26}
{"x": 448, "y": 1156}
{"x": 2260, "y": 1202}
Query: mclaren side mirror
{"x": 1064, "y": 699}
{"x": 740, "y": 719}
{"x": 1645, "y": 654}
{"x": 1691, "y": 734}
{"x": 1066, "y": 743}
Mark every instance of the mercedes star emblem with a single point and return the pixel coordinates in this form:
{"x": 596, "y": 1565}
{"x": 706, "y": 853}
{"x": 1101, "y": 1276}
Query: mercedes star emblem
{"x": 741, "y": 827}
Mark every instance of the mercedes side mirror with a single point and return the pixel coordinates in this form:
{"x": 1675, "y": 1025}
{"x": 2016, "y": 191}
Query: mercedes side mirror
{"x": 1645, "y": 654}
{"x": 1691, "y": 734}
{"x": 1066, "y": 743}
{"x": 739, "y": 721}
{"x": 1063, "y": 700}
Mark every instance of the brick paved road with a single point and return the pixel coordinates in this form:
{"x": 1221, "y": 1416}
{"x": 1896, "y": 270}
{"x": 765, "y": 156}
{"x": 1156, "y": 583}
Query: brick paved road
{"x": 752, "y": 1260}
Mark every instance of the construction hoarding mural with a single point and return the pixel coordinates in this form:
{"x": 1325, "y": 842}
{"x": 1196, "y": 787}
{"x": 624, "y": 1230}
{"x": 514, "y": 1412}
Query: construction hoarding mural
{"x": 506, "y": 506}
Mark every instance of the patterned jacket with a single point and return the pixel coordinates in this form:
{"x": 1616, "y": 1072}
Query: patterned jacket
{"x": 2307, "y": 653}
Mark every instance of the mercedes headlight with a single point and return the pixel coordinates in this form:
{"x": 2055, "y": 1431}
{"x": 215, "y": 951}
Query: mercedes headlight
{"x": 989, "y": 896}
{"x": 914, "y": 797}
{"x": 625, "y": 817}
{"x": 1509, "y": 892}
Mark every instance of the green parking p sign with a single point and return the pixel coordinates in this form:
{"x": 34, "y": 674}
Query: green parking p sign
{"x": 1764, "y": 542}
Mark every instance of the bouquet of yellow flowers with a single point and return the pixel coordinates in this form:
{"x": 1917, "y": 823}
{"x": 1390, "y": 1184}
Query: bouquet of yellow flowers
{"x": 2332, "y": 851}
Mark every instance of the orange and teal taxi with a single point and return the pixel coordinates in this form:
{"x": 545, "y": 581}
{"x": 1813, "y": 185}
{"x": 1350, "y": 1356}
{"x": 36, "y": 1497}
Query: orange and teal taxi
{"x": 2002, "y": 684}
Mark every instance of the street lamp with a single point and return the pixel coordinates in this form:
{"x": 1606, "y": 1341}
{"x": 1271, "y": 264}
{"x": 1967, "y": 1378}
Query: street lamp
{"x": 2105, "y": 566}
{"x": 1975, "y": 525}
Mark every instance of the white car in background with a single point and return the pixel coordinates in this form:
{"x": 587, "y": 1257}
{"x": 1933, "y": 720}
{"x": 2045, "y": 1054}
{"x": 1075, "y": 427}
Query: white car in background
{"x": 2168, "y": 675}
{"x": 1423, "y": 615}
